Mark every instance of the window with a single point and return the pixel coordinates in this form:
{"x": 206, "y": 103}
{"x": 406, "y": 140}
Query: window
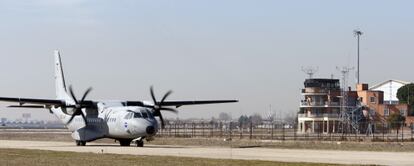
{"x": 145, "y": 115}
{"x": 402, "y": 112}
{"x": 137, "y": 115}
{"x": 150, "y": 114}
{"x": 386, "y": 112}
{"x": 372, "y": 99}
{"x": 128, "y": 116}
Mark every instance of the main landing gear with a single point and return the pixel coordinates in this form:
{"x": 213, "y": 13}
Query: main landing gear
{"x": 80, "y": 143}
{"x": 124, "y": 142}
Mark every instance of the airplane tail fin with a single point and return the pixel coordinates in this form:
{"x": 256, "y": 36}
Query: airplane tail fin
{"x": 60, "y": 79}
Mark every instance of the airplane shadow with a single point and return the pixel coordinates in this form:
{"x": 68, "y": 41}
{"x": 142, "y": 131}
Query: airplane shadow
{"x": 145, "y": 146}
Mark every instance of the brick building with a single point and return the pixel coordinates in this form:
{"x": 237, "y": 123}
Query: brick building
{"x": 321, "y": 104}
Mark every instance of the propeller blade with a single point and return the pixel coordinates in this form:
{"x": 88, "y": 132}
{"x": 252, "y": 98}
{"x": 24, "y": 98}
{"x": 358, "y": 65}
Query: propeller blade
{"x": 153, "y": 96}
{"x": 78, "y": 104}
{"x": 162, "y": 121}
{"x": 71, "y": 118}
{"x": 72, "y": 94}
{"x": 86, "y": 93}
{"x": 84, "y": 118}
{"x": 165, "y": 96}
{"x": 158, "y": 106}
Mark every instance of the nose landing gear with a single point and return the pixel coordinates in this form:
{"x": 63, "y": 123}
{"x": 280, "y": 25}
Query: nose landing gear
{"x": 140, "y": 143}
{"x": 80, "y": 143}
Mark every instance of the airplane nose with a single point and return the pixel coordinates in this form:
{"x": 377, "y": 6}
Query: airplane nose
{"x": 150, "y": 130}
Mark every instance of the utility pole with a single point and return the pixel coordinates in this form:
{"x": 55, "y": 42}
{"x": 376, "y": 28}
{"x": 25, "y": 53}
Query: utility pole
{"x": 357, "y": 33}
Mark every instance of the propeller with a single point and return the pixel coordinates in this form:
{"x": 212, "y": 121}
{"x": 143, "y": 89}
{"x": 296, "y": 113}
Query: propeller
{"x": 79, "y": 104}
{"x": 158, "y": 105}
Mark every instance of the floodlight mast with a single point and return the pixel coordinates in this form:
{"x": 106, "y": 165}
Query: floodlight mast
{"x": 357, "y": 33}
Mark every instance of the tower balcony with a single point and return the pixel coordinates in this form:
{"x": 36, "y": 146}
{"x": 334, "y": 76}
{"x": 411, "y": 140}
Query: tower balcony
{"x": 326, "y": 115}
{"x": 319, "y": 104}
{"x": 314, "y": 91}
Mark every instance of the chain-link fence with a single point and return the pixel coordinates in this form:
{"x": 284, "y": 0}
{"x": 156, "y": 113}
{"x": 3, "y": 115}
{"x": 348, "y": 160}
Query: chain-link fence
{"x": 379, "y": 131}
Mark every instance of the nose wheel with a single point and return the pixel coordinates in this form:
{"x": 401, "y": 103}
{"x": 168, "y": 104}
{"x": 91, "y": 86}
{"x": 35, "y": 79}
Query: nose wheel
{"x": 140, "y": 143}
{"x": 80, "y": 143}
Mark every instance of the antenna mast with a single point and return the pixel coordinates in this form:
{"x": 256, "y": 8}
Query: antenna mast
{"x": 310, "y": 71}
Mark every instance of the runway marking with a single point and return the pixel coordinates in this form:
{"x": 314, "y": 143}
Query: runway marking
{"x": 253, "y": 153}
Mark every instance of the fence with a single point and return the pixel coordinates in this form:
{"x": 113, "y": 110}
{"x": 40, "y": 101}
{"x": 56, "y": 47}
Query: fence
{"x": 367, "y": 132}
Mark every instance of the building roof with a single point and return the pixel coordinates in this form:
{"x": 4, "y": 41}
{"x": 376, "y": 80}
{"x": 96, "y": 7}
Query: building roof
{"x": 388, "y": 81}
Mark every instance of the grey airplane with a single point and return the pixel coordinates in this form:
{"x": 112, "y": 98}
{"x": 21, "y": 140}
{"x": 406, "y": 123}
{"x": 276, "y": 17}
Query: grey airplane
{"x": 89, "y": 120}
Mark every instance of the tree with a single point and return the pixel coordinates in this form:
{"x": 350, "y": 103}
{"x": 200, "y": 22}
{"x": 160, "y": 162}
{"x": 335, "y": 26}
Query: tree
{"x": 243, "y": 121}
{"x": 256, "y": 119}
{"x": 405, "y": 95}
{"x": 396, "y": 120}
{"x": 224, "y": 116}
{"x": 213, "y": 119}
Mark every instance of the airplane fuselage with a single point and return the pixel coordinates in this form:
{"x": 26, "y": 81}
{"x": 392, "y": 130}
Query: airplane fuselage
{"x": 111, "y": 121}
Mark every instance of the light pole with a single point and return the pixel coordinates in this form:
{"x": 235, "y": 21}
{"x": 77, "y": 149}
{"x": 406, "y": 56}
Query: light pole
{"x": 357, "y": 33}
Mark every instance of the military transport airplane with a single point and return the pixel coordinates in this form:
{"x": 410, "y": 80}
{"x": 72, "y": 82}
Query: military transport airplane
{"x": 89, "y": 120}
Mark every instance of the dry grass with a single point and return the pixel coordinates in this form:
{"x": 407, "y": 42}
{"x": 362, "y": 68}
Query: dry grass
{"x": 236, "y": 143}
{"x": 325, "y": 145}
{"x": 46, "y": 158}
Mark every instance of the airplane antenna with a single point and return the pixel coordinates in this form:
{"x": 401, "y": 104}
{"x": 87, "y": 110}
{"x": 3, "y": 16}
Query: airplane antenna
{"x": 310, "y": 71}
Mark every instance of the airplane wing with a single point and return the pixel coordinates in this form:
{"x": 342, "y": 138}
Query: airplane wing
{"x": 47, "y": 103}
{"x": 38, "y": 103}
{"x": 180, "y": 103}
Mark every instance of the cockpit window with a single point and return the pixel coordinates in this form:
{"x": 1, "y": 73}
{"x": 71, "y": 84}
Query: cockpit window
{"x": 137, "y": 115}
{"x": 150, "y": 114}
{"x": 144, "y": 114}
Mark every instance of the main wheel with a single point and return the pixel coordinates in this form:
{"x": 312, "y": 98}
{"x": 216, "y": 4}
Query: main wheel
{"x": 140, "y": 143}
{"x": 125, "y": 142}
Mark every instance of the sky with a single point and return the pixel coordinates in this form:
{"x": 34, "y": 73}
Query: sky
{"x": 252, "y": 51}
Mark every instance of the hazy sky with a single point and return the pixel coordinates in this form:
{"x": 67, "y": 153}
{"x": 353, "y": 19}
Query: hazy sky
{"x": 247, "y": 50}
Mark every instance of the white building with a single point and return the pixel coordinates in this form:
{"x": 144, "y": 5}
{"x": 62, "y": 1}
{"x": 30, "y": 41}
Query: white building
{"x": 390, "y": 89}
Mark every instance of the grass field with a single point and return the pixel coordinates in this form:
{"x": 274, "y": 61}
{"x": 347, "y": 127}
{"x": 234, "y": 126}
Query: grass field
{"x": 46, "y": 158}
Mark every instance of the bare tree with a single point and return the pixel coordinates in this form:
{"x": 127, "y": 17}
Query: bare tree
{"x": 224, "y": 116}
{"x": 290, "y": 118}
{"x": 256, "y": 119}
